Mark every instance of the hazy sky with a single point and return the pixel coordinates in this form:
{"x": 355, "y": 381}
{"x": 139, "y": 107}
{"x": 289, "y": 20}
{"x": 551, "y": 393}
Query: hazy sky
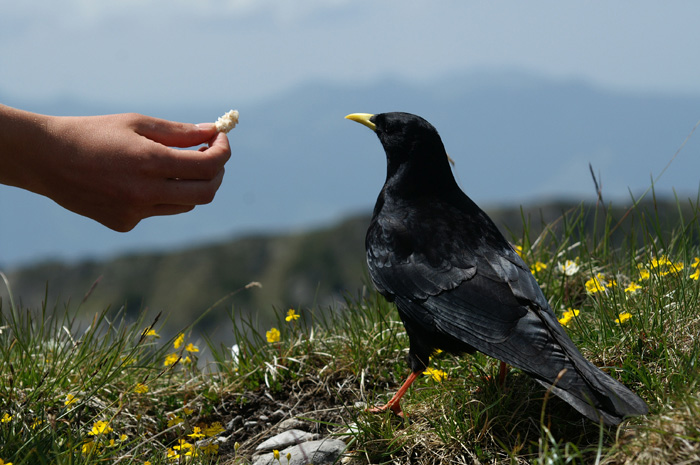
{"x": 184, "y": 50}
{"x": 231, "y": 53}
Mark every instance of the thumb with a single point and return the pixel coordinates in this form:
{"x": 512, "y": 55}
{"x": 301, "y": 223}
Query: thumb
{"x": 174, "y": 134}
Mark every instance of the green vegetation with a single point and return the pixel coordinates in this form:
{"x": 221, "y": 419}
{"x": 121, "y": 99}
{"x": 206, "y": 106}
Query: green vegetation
{"x": 111, "y": 391}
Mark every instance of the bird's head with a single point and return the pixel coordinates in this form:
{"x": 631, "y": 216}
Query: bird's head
{"x": 413, "y": 146}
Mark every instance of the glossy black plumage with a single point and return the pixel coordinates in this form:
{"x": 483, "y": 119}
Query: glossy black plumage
{"x": 458, "y": 284}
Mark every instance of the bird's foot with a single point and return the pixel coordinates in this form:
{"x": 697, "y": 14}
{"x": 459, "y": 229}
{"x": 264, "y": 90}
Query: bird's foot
{"x": 393, "y": 406}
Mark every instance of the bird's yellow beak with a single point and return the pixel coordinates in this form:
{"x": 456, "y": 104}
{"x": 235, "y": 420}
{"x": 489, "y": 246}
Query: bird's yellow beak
{"x": 363, "y": 118}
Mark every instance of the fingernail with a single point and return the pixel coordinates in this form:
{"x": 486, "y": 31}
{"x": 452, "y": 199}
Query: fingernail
{"x": 207, "y": 126}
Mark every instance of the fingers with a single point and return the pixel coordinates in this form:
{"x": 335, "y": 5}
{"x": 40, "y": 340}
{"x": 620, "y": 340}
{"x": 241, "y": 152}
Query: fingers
{"x": 202, "y": 164}
{"x": 171, "y": 133}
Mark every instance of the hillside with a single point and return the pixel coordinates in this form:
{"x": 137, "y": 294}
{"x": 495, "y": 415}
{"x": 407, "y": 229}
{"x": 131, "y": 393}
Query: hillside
{"x": 314, "y": 269}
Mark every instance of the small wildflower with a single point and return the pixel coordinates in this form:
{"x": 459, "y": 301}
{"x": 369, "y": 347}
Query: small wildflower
{"x": 518, "y": 249}
{"x": 150, "y": 332}
{"x": 273, "y": 335}
{"x": 623, "y": 317}
{"x": 182, "y": 444}
{"x": 644, "y": 274}
{"x": 213, "y": 429}
{"x": 596, "y": 284}
{"x": 70, "y": 400}
{"x": 568, "y": 268}
{"x": 632, "y": 288}
{"x": 6, "y": 418}
{"x": 186, "y": 360}
{"x": 2, "y": 462}
{"x": 123, "y": 437}
{"x": 88, "y": 447}
{"x": 210, "y": 448}
{"x": 174, "y": 420}
{"x": 171, "y": 359}
{"x": 696, "y": 274}
{"x": 437, "y": 375}
{"x": 659, "y": 262}
{"x": 100, "y": 427}
{"x": 191, "y": 348}
{"x": 289, "y": 457}
{"x": 568, "y": 315}
{"x": 276, "y": 454}
{"x": 188, "y": 411}
{"x": 538, "y": 266}
{"x": 696, "y": 262}
{"x": 292, "y": 315}
{"x": 140, "y": 388}
{"x": 35, "y": 424}
{"x": 179, "y": 340}
{"x": 196, "y": 433}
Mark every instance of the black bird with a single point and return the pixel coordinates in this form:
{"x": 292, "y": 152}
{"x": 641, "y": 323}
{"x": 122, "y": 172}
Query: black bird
{"x": 458, "y": 284}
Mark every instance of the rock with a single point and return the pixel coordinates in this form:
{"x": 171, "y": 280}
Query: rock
{"x": 293, "y": 423}
{"x": 319, "y": 452}
{"x": 277, "y": 415}
{"x": 234, "y": 423}
{"x": 286, "y": 439}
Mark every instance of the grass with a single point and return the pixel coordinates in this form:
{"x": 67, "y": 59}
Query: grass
{"x": 111, "y": 391}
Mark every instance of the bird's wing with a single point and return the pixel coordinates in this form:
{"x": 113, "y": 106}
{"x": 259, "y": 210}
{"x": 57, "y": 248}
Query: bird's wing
{"x": 480, "y": 293}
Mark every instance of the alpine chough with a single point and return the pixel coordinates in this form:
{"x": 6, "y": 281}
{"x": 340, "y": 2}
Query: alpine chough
{"x": 459, "y": 285}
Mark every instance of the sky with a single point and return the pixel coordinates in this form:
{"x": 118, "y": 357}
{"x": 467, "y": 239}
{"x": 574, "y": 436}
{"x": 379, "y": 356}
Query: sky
{"x": 233, "y": 52}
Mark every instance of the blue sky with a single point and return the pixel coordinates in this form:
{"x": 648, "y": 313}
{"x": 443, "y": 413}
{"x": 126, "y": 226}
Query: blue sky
{"x": 232, "y": 53}
{"x": 182, "y": 50}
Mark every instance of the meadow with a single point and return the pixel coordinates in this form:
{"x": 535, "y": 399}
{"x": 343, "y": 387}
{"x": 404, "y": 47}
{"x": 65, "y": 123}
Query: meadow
{"x": 115, "y": 391}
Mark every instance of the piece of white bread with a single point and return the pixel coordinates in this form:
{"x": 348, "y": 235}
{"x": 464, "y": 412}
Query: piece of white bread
{"x": 227, "y": 122}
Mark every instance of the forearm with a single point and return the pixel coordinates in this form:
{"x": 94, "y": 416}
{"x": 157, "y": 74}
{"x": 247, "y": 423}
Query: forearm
{"x": 23, "y": 145}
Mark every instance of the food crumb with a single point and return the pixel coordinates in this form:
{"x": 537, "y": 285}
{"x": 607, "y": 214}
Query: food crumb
{"x": 227, "y": 122}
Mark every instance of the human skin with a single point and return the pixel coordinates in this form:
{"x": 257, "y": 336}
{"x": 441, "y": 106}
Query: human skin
{"x": 116, "y": 169}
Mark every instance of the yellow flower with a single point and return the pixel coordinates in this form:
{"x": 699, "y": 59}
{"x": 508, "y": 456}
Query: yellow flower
{"x": 196, "y": 433}
{"x": 140, "y": 388}
{"x": 191, "y": 348}
{"x": 179, "y": 340}
{"x": 292, "y": 315}
{"x": 644, "y": 274}
{"x": 6, "y": 418}
{"x": 171, "y": 359}
{"x": 273, "y": 335}
{"x": 437, "y": 375}
{"x": 186, "y": 360}
{"x": 187, "y": 410}
{"x": 696, "y": 262}
{"x": 538, "y": 266}
{"x": 182, "y": 444}
{"x": 35, "y": 424}
{"x": 658, "y": 262}
{"x": 568, "y": 315}
{"x": 210, "y": 448}
{"x": 632, "y": 288}
{"x": 596, "y": 284}
{"x": 2, "y": 462}
{"x": 70, "y": 400}
{"x": 276, "y": 454}
{"x": 213, "y": 429}
{"x": 174, "y": 420}
{"x": 123, "y": 437}
{"x": 696, "y": 274}
{"x": 88, "y": 447}
{"x": 100, "y": 427}
{"x": 623, "y": 317}
{"x": 518, "y": 249}
{"x": 150, "y": 332}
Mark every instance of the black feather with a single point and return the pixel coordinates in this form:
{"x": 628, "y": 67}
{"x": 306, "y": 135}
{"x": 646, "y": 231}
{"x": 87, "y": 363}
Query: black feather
{"x": 458, "y": 284}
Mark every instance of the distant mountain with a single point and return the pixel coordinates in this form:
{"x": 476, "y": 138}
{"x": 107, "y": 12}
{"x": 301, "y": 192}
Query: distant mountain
{"x": 314, "y": 270}
{"x": 298, "y": 164}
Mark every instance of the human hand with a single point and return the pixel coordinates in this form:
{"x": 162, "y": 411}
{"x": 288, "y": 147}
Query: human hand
{"x": 120, "y": 169}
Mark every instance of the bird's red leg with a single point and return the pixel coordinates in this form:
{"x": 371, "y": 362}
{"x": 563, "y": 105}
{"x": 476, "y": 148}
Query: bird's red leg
{"x": 393, "y": 404}
{"x": 502, "y": 370}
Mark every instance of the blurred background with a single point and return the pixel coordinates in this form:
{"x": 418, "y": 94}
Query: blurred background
{"x": 526, "y": 97}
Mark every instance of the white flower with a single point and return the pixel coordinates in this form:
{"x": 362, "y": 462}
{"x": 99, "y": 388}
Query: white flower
{"x": 568, "y": 268}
